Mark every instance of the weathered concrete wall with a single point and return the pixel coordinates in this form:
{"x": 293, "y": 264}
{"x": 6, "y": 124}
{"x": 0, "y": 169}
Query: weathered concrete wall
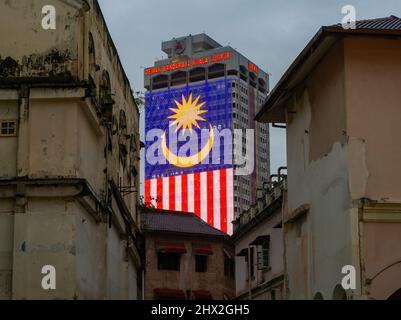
{"x": 43, "y": 235}
{"x": 324, "y": 239}
{"x": 115, "y": 252}
{"x": 59, "y": 232}
{"x": 105, "y": 61}
{"x": 6, "y": 247}
{"x": 53, "y": 139}
{"x": 33, "y": 51}
{"x": 8, "y": 145}
{"x": 342, "y": 149}
{"x": 53, "y": 84}
{"x": 91, "y": 260}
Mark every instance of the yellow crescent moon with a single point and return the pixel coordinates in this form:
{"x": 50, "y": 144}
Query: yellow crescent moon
{"x": 186, "y": 162}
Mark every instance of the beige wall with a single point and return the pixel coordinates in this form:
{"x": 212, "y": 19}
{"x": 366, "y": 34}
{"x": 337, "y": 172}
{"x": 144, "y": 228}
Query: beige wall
{"x": 373, "y": 75}
{"x": 327, "y": 98}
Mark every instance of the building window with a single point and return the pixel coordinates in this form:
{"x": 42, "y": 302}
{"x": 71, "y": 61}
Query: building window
{"x": 264, "y": 254}
{"x": 8, "y": 128}
{"x": 123, "y": 120}
{"x": 200, "y": 263}
{"x": 168, "y": 261}
{"x": 229, "y": 267}
{"x": 250, "y": 263}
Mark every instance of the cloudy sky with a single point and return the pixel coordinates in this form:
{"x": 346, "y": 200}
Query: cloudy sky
{"x": 271, "y": 33}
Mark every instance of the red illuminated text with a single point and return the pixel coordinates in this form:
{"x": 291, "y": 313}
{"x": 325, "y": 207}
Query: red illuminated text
{"x": 187, "y": 64}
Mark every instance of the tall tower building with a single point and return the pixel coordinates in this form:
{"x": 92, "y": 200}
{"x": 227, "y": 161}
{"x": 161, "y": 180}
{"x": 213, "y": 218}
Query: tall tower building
{"x": 204, "y": 152}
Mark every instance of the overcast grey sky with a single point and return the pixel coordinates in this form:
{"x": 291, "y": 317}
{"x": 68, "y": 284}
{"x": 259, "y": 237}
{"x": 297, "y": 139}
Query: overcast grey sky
{"x": 271, "y": 33}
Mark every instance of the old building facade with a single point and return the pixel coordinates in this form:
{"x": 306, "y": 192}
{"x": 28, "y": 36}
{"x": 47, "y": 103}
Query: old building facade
{"x": 340, "y": 102}
{"x": 259, "y": 245}
{"x": 186, "y": 259}
{"x": 69, "y": 162}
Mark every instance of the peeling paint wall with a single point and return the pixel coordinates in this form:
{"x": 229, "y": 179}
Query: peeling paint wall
{"x": 321, "y": 241}
{"x": 32, "y": 51}
{"x": 373, "y": 77}
{"x": 343, "y": 158}
{"x": 69, "y": 126}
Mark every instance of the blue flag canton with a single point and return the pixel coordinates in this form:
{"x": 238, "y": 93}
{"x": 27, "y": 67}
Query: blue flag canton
{"x": 217, "y": 98}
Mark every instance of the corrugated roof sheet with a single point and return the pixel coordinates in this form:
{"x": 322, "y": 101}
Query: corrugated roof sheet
{"x": 387, "y": 23}
{"x": 180, "y": 222}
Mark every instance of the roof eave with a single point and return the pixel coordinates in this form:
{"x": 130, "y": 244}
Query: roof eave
{"x": 279, "y": 88}
{"x": 272, "y": 110}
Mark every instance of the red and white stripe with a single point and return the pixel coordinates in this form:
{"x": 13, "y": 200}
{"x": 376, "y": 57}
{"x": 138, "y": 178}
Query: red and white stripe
{"x": 207, "y": 194}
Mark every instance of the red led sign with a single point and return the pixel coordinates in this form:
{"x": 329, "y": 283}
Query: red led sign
{"x": 253, "y": 67}
{"x": 187, "y": 64}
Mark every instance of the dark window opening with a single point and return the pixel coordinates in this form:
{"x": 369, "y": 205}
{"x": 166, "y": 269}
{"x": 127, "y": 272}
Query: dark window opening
{"x": 92, "y": 54}
{"x": 8, "y": 128}
{"x": 168, "y": 261}
{"x": 232, "y": 72}
{"x": 229, "y": 267}
{"x": 106, "y": 87}
{"x": 251, "y": 262}
{"x": 243, "y": 70}
{"x": 197, "y": 74}
{"x": 244, "y": 77}
{"x": 106, "y": 97}
{"x": 200, "y": 263}
{"x": 133, "y": 144}
{"x": 123, "y": 120}
{"x": 178, "y": 78}
{"x": 159, "y": 82}
{"x": 217, "y": 70}
{"x": 123, "y": 154}
{"x": 252, "y": 76}
{"x": 265, "y": 254}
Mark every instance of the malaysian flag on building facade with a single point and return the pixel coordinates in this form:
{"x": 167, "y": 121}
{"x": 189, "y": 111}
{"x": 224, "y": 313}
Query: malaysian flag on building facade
{"x": 189, "y": 151}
